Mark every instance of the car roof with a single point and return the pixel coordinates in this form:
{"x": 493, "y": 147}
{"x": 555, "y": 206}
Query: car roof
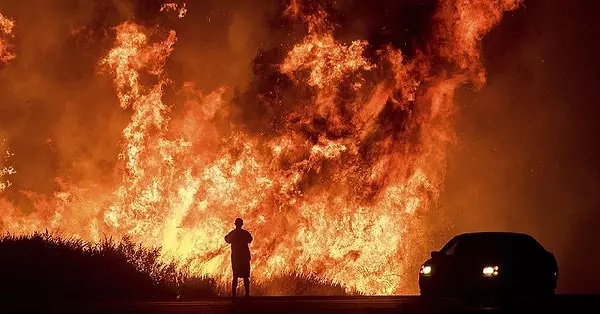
{"x": 502, "y": 239}
{"x": 496, "y": 236}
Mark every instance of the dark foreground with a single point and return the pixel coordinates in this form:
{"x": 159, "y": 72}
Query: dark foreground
{"x": 313, "y": 305}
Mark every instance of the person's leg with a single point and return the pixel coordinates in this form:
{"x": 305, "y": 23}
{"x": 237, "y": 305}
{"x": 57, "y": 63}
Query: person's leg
{"x": 234, "y": 286}
{"x": 247, "y": 286}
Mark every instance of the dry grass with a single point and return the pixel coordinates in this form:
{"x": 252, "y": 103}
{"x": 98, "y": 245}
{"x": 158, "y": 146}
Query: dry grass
{"x": 43, "y": 266}
{"x": 293, "y": 284}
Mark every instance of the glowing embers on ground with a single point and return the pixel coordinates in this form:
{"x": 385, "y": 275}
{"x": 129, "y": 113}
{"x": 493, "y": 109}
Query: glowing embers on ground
{"x": 337, "y": 193}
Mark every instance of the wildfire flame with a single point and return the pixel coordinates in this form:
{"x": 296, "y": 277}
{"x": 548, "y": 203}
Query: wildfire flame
{"x": 336, "y": 189}
{"x": 5, "y": 171}
{"x": 6, "y": 29}
{"x": 174, "y": 7}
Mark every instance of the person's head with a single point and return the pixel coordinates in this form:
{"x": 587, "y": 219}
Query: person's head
{"x": 239, "y": 223}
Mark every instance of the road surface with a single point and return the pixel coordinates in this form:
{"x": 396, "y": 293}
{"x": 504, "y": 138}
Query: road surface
{"x": 313, "y": 305}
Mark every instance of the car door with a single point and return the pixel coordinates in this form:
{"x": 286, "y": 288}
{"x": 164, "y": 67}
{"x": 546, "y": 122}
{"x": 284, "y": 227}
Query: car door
{"x": 448, "y": 265}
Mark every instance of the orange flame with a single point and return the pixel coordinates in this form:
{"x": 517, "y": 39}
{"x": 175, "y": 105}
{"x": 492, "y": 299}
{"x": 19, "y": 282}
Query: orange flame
{"x": 464, "y": 23}
{"x": 5, "y": 171}
{"x": 339, "y": 194}
{"x": 174, "y": 7}
{"x": 6, "y": 29}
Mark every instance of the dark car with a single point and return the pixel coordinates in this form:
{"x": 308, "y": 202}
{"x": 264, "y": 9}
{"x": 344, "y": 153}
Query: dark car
{"x": 489, "y": 264}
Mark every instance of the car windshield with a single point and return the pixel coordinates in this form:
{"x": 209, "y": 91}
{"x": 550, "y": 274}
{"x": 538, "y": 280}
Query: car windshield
{"x": 492, "y": 244}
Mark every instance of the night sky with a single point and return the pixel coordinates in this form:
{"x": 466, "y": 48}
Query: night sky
{"x": 527, "y": 157}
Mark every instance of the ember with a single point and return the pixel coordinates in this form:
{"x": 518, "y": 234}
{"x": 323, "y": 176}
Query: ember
{"x": 6, "y": 28}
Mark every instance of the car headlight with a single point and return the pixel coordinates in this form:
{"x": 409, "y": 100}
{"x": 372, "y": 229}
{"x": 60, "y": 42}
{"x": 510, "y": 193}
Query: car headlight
{"x": 425, "y": 270}
{"x": 490, "y": 271}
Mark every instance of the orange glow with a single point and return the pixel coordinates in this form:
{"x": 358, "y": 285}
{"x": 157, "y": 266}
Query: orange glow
{"x": 6, "y": 33}
{"x": 174, "y": 7}
{"x": 5, "y": 169}
{"x": 293, "y": 9}
{"x": 338, "y": 194}
{"x": 470, "y": 21}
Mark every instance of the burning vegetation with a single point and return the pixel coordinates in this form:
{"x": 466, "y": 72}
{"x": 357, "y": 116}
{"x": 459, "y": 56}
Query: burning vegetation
{"x": 333, "y": 150}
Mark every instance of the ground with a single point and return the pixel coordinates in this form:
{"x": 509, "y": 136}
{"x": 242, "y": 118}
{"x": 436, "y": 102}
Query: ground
{"x": 311, "y": 305}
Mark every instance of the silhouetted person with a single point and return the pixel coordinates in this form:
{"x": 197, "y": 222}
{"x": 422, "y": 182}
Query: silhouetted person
{"x": 240, "y": 255}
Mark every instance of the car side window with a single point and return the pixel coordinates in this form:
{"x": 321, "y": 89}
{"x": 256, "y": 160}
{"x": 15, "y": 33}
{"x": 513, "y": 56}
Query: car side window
{"x": 451, "y": 248}
{"x": 528, "y": 246}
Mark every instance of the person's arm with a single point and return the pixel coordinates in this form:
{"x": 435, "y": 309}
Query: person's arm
{"x": 250, "y": 238}
{"x": 228, "y": 238}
